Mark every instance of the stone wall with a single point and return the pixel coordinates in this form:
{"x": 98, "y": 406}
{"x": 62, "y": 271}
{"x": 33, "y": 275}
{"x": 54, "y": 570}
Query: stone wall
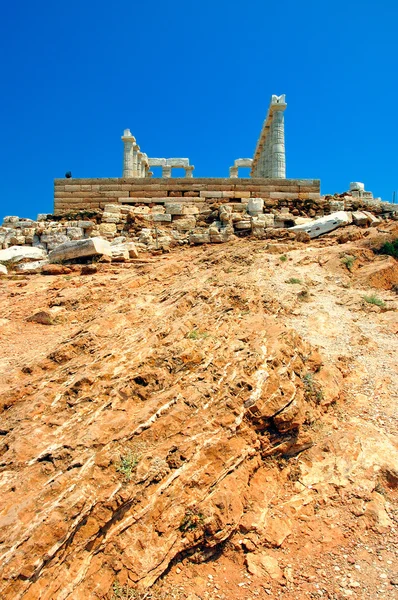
{"x": 71, "y": 195}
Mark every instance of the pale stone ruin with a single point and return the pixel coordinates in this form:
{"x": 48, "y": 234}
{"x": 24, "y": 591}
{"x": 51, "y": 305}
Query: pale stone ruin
{"x": 137, "y": 163}
{"x": 269, "y": 158}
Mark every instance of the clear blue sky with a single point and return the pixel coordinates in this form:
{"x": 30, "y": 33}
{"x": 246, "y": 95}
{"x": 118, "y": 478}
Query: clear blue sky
{"x": 194, "y": 79}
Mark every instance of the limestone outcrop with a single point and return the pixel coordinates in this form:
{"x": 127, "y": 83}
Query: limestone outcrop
{"x": 180, "y": 410}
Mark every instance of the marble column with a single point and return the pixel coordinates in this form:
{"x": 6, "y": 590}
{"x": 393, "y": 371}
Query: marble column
{"x": 128, "y": 155}
{"x": 233, "y": 172}
{"x": 166, "y": 171}
{"x": 189, "y": 171}
{"x": 277, "y": 143}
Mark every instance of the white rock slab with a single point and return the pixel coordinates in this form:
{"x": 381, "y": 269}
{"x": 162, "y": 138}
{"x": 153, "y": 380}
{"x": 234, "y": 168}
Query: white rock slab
{"x": 16, "y": 254}
{"x": 255, "y": 206}
{"x": 31, "y": 267}
{"x": 324, "y": 224}
{"x": 94, "y": 246}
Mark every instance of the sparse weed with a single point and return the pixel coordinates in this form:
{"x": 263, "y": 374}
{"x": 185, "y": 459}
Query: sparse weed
{"x": 348, "y": 261}
{"x": 127, "y": 464}
{"x": 313, "y": 390}
{"x": 373, "y": 299}
{"x": 293, "y": 280}
{"x": 191, "y": 520}
{"x": 283, "y": 258}
{"x": 196, "y": 334}
{"x": 390, "y": 248}
{"x": 124, "y": 592}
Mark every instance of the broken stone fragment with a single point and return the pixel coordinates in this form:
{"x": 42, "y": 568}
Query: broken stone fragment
{"x": 16, "y": 254}
{"x": 30, "y": 268}
{"x": 80, "y": 249}
{"x": 3, "y": 270}
{"x": 324, "y": 224}
{"x": 262, "y": 565}
{"x": 42, "y": 317}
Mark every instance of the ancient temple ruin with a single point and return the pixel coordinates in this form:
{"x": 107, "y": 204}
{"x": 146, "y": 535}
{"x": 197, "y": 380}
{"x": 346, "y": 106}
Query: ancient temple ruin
{"x": 139, "y": 186}
{"x": 268, "y": 161}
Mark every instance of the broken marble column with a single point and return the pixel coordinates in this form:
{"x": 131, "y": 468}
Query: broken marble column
{"x": 269, "y": 157}
{"x": 128, "y": 155}
{"x": 166, "y": 171}
{"x": 189, "y": 171}
{"x": 277, "y": 132}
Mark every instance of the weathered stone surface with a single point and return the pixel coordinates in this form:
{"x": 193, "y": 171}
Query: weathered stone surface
{"x": 16, "y": 254}
{"x": 80, "y": 249}
{"x": 360, "y": 218}
{"x": 264, "y": 566}
{"x": 161, "y": 218}
{"x": 199, "y": 238}
{"x": 42, "y": 317}
{"x": 185, "y": 224}
{"x": 107, "y": 228}
{"x": 174, "y": 209}
{"x": 3, "y": 269}
{"x": 255, "y": 206}
{"x": 324, "y": 224}
{"x": 31, "y": 267}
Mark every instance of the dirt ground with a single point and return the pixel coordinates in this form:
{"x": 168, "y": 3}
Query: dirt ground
{"x": 166, "y": 351}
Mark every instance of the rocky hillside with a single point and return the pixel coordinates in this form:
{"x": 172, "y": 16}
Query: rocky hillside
{"x": 213, "y": 422}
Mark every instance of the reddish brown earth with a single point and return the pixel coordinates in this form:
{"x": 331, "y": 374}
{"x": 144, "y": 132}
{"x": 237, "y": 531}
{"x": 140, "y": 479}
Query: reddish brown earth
{"x": 255, "y": 415}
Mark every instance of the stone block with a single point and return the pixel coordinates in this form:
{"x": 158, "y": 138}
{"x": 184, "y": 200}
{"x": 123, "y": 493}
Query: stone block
{"x": 112, "y": 208}
{"x": 161, "y": 218}
{"x": 360, "y": 218}
{"x": 324, "y": 224}
{"x": 243, "y": 225}
{"x": 110, "y": 218}
{"x": 255, "y": 206}
{"x": 190, "y": 210}
{"x": 16, "y": 254}
{"x": 199, "y": 238}
{"x": 158, "y": 210}
{"x": 174, "y": 209}
{"x": 185, "y": 224}
{"x": 75, "y": 233}
{"x": 107, "y": 228}
{"x": 242, "y": 194}
{"x": 211, "y": 194}
{"x": 29, "y": 268}
{"x": 86, "y": 224}
{"x": 80, "y": 249}
{"x": 3, "y": 270}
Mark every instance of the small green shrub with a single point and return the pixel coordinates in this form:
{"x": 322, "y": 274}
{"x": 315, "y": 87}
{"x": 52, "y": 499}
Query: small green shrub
{"x": 124, "y": 592}
{"x": 348, "y": 261}
{"x": 195, "y": 334}
{"x": 312, "y": 389}
{"x": 390, "y": 248}
{"x": 373, "y": 299}
{"x": 283, "y": 258}
{"x": 127, "y": 464}
{"x": 293, "y": 280}
{"x": 191, "y": 520}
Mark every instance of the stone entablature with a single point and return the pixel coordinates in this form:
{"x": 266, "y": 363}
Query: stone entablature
{"x": 91, "y": 194}
{"x": 239, "y": 162}
{"x": 269, "y": 157}
{"x": 167, "y": 164}
{"x": 137, "y": 163}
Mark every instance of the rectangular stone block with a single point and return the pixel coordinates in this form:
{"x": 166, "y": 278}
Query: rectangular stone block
{"x": 146, "y": 194}
{"x": 174, "y": 208}
{"x": 161, "y": 218}
{"x": 211, "y": 194}
{"x": 242, "y": 194}
{"x": 283, "y": 195}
